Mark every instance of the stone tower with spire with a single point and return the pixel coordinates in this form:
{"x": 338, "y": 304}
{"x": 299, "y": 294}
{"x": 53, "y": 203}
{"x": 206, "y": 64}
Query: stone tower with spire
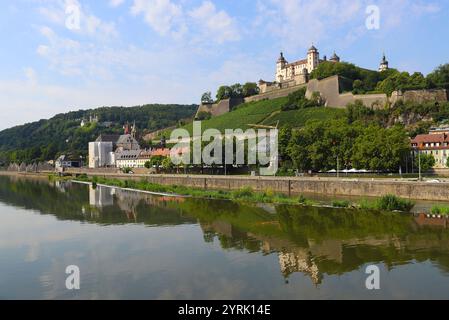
{"x": 280, "y": 65}
{"x": 134, "y": 130}
{"x": 383, "y": 64}
{"x": 313, "y": 58}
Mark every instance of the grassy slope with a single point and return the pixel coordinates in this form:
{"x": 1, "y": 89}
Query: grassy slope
{"x": 266, "y": 112}
{"x": 239, "y": 118}
{"x": 298, "y": 118}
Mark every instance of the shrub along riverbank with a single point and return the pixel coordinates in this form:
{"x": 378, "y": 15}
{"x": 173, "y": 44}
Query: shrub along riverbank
{"x": 386, "y": 203}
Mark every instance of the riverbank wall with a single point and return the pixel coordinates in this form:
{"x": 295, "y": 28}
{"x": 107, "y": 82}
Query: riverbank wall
{"x": 291, "y": 186}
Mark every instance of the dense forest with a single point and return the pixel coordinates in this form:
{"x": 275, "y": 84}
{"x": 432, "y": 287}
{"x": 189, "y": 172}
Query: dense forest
{"x": 63, "y": 134}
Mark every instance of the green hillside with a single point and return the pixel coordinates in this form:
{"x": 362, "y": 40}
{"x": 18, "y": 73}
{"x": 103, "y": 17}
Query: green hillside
{"x": 298, "y": 118}
{"x": 45, "y": 139}
{"x": 266, "y": 112}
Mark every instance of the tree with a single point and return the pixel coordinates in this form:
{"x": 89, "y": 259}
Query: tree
{"x": 285, "y": 135}
{"x": 440, "y": 77}
{"x": 427, "y": 162}
{"x": 167, "y": 164}
{"x": 402, "y": 81}
{"x": 224, "y": 92}
{"x": 317, "y": 146}
{"x": 381, "y": 149}
{"x": 357, "y": 87}
{"x": 250, "y": 89}
{"x": 236, "y": 91}
{"x": 206, "y": 98}
{"x": 447, "y": 163}
{"x": 156, "y": 161}
{"x": 148, "y": 164}
{"x": 297, "y": 100}
{"x": 328, "y": 69}
{"x": 203, "y": 115}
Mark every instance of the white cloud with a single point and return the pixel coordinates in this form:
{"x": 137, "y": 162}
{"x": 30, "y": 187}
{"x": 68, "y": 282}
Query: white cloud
{"x": 54, "y": 11}
{"x": 163, "y": 16}
{"x": 216, "y": 25}
{"x": 298, "y": 23}
{"x": 31, "y": 76}
{"x": 116, "y": 3}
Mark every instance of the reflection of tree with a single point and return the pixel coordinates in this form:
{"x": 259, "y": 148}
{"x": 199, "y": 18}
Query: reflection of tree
{"x": 318, "y": 241}
{"x": 73, "y": 204}
{"x": 313, "y": 241}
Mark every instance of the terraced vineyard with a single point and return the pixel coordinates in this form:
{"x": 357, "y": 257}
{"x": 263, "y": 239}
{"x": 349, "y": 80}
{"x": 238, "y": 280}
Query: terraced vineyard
{"x": 267, "y": 112}
{"x": 298, "y": 118}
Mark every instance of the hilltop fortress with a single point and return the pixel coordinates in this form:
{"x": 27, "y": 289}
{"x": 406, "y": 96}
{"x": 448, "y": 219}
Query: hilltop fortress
{"x": 335, "y": 91}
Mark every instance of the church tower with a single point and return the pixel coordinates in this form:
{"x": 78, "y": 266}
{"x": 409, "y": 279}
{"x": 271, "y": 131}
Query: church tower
{"x": 280, "y": 68}
{"x": 334, "y": 58}
{"x": 313, "y": 57}
{"x": 383, "y": 64}
{"x": 134, "y": 130}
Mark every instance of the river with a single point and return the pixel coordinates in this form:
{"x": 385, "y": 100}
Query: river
{"x": 130, "y": 245}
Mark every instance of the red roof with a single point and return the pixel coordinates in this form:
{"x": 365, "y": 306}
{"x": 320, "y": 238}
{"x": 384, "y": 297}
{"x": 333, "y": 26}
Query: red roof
{"x": 165, "y": 152}
{"x": 431, "y": 138}
{"x": 299, "y": 62}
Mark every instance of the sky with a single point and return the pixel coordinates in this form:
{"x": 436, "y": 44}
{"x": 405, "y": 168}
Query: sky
{"x": 63, "y": 55}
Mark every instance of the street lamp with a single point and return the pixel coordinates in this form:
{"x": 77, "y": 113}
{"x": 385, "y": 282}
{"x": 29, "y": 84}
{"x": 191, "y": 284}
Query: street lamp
{"x": 419, "y": 165}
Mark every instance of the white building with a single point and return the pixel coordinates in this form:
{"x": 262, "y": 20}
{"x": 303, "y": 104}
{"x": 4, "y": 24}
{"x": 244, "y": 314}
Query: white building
{"x": 100, "y": 154}
{"x": 127, "y": 159}
{"x": 286, "y": 71}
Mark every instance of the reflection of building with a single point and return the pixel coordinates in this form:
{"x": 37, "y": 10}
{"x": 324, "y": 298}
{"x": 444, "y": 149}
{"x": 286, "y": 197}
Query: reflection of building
{"x": 422, "y": 220}
{"x": 66, "y": 162}
{"x": 299, "y": 261}
{"x": 100, "y": 197}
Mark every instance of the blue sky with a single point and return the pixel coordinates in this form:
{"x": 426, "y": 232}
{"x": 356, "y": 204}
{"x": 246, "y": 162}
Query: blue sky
{"x": 132, "y": 52}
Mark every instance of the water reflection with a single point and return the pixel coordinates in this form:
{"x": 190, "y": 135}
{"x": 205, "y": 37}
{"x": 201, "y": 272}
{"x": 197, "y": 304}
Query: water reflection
{"x": 318, "y": 243}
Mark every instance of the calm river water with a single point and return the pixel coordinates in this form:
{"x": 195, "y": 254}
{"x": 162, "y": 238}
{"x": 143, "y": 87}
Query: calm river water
{"x": 130, "y": 245}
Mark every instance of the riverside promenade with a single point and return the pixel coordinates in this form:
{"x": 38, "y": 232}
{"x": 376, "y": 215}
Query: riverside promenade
{"x": 352, "y": 187}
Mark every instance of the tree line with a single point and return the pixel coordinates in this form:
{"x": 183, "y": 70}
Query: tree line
{"x": 234, "y": 91}
{"x": 362, "y": 81}
{"x": 46, "y": 139}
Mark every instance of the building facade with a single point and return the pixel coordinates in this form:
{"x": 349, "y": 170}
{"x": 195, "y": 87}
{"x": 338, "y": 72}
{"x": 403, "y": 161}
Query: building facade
{"x": 100, "y": 154}
{"x": 297, "y": 70}
{"x": 127, "y": 159}
{"x": 436, "y": 143}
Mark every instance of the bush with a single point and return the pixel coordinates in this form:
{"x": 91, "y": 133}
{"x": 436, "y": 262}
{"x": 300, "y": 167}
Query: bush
{"x": 440, "y": 210}
{"x": 302, "y": 199}
{"x": 203, "y": 115}
{"x": 246, "y": 192}
{"x": 297, "y": 100}
{"x": 392, "y": 203}
{"x": 126, "y": 170}
{"x": 341, "y": 204}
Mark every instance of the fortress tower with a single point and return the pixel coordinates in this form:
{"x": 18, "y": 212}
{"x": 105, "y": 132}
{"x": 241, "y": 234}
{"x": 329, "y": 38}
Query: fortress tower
{"x": 280, "y": 65}
{"x": 383, "y": 64}
{"x": 313, "y": 59}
